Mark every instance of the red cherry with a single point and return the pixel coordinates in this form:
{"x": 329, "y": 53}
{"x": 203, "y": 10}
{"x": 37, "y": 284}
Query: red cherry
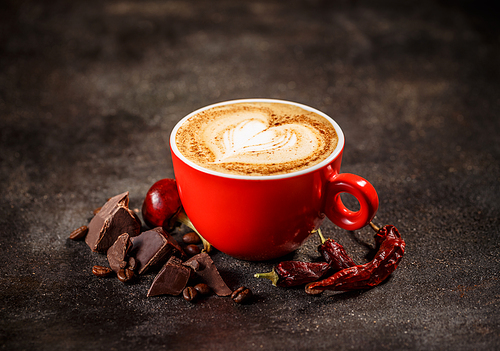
{"x": 161, "y": 202}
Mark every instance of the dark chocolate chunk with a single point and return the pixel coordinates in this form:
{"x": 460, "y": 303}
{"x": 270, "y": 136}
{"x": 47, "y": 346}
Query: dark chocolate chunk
{"x": 205, "y": 268}
{"x": 172, "y": 278}
{"x": 114, "y": 219}
{"x": 117, "y": 253}
{"x": 152, "y": 248}
{"x": 193, "y": 264}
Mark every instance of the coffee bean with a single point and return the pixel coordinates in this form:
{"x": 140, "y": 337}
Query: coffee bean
{"x": 79, "y": 233}
{"x": 189, "y": 293}
{"x": 123, "y": 264}
{"x": 203, "y": 289}
{"x": 125, "y": 275}
{"x": 191, "y": 238}
{"x": 101, "y": 271}
{"x": 192, "y": 250}
{"x": 132, "y": 263}
{"x": 242, "y": 295}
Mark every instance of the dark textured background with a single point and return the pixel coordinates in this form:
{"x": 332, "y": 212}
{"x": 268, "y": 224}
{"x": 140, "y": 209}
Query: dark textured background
{"x": 90, "y": 90}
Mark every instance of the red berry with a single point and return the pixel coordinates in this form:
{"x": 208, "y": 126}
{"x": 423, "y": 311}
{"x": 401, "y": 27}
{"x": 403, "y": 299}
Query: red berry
{"x": 161, "y": 202}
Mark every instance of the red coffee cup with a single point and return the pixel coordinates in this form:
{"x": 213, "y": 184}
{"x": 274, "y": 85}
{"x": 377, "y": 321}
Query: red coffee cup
{"x": 263, "y": 217}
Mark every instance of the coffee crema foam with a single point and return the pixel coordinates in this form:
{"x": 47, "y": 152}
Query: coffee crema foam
{"x": 256, "y": 138}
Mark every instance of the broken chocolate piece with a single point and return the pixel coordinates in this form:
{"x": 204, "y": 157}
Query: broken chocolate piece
{"x": 117, "y": 253}
{"x": 193, "y": 264}
{"x": 114, "y": 219}
{"x": 152, "y": 248}
{"x": 205, "y": 268}
{"x": 172, "y": 278}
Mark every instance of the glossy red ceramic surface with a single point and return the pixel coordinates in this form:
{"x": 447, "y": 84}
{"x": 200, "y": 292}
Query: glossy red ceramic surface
{"x": 260, "y": 218}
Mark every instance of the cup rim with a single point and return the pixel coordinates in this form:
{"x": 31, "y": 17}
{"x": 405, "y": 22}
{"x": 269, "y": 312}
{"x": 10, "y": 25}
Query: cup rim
{"x": 338, "y": 149}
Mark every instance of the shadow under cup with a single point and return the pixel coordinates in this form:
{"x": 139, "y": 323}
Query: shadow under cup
{"x": 264, "y": 217}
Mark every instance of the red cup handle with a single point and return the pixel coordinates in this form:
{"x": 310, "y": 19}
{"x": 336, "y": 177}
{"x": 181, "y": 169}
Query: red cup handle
{"x": 358, "y": 187}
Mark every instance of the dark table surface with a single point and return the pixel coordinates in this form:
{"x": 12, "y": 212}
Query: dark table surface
{"x": 90, "y": 90}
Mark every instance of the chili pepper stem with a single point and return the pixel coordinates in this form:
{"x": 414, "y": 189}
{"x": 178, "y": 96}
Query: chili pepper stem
{"x": 272, "y": 276}
{"x": 374, "y": 227}
{"x": 322, "y": 238}
{"x": 184, "y": 219}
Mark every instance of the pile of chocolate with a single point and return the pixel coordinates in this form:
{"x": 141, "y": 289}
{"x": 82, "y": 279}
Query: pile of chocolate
{"x": 116, "y": 231}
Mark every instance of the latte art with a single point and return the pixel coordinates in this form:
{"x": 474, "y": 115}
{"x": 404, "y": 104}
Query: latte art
{"x": 256, "y": 138}
{"x": 252, "y": 136}
{"x": 254, "y": 141}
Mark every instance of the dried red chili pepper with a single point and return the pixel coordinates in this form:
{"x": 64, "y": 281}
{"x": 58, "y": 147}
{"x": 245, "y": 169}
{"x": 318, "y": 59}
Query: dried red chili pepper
{"x": 368, "y": 275}
{"x": 334, "y": 254}
{"x": 293, "y": 273}
{"x": 387, "y": 231}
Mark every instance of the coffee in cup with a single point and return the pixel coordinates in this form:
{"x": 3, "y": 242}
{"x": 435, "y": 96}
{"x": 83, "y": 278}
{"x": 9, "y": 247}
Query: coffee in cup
{"x": 256, "y": 138}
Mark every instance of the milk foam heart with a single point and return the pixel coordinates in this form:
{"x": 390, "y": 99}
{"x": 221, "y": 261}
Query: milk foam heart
{"x": 253, "y": 141}
{"x": 256, "y": 138}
